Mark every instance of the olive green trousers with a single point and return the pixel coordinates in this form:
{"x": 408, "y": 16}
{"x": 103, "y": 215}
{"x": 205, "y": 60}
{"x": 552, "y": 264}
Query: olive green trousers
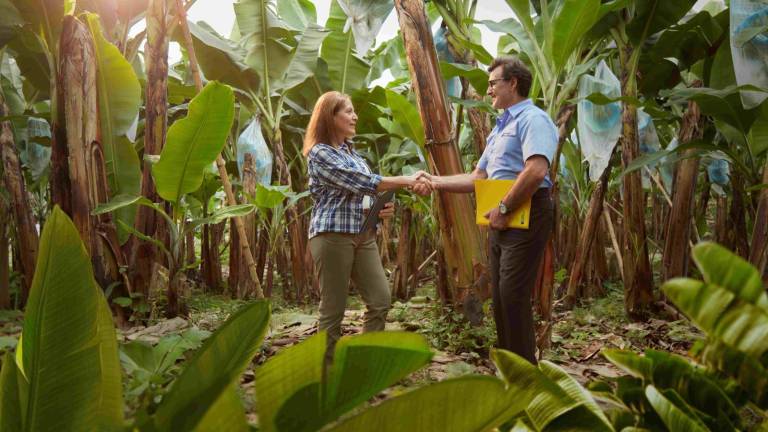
{"x": 338, "y": 259}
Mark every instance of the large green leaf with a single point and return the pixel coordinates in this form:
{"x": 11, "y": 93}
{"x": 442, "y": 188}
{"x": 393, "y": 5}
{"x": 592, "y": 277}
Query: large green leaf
{"x": 407, "y": 121}
{"x": 262, "y": 32}
{"x": 213, "y": 371}
{"x": 70, "y": 359}
{"x": 589, "y": 410}
{"x": 387, "y": 356}
{"x": 304, "y": 60}
{"x": 298, "y": 13}
{"x": 724, "y": 105}
{"x": 472, "y": 403}
{"x": 346, "y": 69}
{"x": 226, "y": 414}
{"x": 476, "y": 76}
{"x": 291, "y": 394}
{"x": 758, "y": 135}
{"x": 674, "y": 417}
{"x": 722, "y": 267}
{"x": 572, "y": 20}
{"x": 220, "y": 60}
{"x": 10, "y": 22}
{"x": 751, "y": 375}
{"x": 293, "y": 370}
{"x": 194, "y": 142}
{"x": 652, "y": 16}
{"x": 547, "y": 400}
{"x": 522, "y": 9}
{"x": 721, "y": 314}
{"x": 119, "y": 101}
{"x": 11, "y": 413}
{"x": 45, "y": 15}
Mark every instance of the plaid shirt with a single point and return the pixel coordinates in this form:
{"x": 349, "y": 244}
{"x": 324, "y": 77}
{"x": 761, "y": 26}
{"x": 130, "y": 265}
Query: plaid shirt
{"x": 339, "y": 179}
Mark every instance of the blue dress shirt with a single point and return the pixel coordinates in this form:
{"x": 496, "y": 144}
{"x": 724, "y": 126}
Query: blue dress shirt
{"x": 522, "y": 130}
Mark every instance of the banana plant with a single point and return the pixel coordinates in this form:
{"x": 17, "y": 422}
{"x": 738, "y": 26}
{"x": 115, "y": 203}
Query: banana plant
{"x": 192, "y": 146}
{"x": 731, "y": 306}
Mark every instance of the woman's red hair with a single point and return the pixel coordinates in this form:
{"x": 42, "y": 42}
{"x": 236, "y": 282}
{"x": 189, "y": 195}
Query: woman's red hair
{"x": 321, "y": 125}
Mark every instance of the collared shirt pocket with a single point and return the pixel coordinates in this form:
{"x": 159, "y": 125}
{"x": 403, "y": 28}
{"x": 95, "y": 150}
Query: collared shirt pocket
{"x": 510, "y": 131}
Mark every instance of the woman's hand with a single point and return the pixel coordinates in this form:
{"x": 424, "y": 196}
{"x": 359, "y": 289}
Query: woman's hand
{"x": 388, "y": 211}
{"x": 422, "y": 183}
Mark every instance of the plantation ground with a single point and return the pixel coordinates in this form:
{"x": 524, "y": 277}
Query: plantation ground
{"x": 578, "y": 337}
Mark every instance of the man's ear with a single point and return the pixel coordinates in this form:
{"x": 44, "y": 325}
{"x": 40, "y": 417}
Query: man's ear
{"x": 513, "y": 84}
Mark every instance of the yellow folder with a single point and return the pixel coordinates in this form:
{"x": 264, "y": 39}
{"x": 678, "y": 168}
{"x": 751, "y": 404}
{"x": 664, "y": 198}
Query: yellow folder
{"x": 489, "y": 193}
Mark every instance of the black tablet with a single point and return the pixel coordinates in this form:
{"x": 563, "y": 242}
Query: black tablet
{"x": 373, "y": 214}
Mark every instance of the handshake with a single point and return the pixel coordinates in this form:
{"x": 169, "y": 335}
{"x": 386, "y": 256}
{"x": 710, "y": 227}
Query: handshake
{"x": 422, "y": 182}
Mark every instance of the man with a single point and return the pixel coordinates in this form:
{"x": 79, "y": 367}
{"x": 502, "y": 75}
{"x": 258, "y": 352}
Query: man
{"x": 520, "y": 147}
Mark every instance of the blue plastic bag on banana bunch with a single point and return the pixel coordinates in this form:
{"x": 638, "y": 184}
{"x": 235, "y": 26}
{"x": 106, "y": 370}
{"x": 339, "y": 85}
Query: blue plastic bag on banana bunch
{"x": 749, "y": 47}
{"x": 452, "y": 85}
{"x": 719, "y": 172}
{"x": 35, "y": 156}
{"x": 649, "y": 143}
{"x": 252, "y": 141}
{"x": 599, "y": 126}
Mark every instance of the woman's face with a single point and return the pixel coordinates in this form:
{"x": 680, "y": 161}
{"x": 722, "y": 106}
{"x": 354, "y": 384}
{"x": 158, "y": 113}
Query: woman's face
{"x": 345, "y": 120}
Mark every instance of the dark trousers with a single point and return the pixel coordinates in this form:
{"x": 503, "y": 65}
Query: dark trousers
{"x": 515, "y": 255}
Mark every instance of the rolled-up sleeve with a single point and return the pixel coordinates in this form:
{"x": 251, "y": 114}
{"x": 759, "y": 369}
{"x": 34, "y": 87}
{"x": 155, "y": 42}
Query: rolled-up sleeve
{"x": 329, "y": 169}
{"x": 538, "y": 136}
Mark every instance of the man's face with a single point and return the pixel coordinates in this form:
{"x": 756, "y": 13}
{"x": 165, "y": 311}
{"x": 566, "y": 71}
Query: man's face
{"x": 501, "y": 91}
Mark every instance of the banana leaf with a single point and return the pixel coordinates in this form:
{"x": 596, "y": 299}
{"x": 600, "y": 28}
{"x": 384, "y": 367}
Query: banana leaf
{"x": 674, "y": 417}
{"x": 652, "y": 16}
{"x": 194, "y": 142}
{"x": 406, "y": 119}
{"x": 347, "y": 69}
{"x": 572, "y": 20}
{"x": 300, "y": 14}
{"x": 442, "y": 407}
{"x": 197, "y": 393}
{"x": 11, "y": 384}
{"x": 263, "y": 32}
{"x": 119, "y": 94}
{"x": 291, "y": 394}
{"x": 70, "y": 359}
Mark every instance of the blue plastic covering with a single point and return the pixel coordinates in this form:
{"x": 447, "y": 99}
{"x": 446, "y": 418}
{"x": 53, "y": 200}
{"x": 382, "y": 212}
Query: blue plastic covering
{"x": 453, "y": 85}
{"x": 719, "y": 171}
{"x": 252, "y": 141}
{"x": 598, "y": 126}
{"x": 749, "y": 47}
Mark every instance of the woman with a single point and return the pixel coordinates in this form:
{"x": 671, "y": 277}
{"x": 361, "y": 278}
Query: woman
{"x": 341, "y": 184}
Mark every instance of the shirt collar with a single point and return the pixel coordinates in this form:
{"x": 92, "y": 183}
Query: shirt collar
{"x": 512, "y": 112}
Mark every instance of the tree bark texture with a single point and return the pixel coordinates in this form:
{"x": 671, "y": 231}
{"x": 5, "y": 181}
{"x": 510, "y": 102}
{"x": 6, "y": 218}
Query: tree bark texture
{"x": 737, "y": 223}
{"x": 13, "y": 180}
{"x": 88, "y": 188}
{"x": 239, "y": 281}
{"x": 297, "y": 235}
{"x": 587, "y": 237}
{"x": 462, "y": 244}
{"x": 638, "y": 278}
{"x": 5, "y": 265}
{"x": 400, "y": 282}
{"x": 143, "y": 254}
{"x": 759, "y": 253}
{"x": 220, "y": 164}
{"x": 676, "y": 247}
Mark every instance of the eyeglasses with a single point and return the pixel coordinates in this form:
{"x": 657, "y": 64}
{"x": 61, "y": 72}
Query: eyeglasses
{"x": 492, "y": 83}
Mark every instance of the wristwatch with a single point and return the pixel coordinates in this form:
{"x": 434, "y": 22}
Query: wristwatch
{"x": 503, "y": 208}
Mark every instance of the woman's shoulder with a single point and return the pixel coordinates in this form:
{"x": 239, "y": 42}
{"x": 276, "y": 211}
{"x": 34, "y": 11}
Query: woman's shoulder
{"x": 320, "y": 150}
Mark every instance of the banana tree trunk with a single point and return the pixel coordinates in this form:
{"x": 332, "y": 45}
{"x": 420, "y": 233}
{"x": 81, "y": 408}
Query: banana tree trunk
{"x": 638, "y": 278}
{"x": 78, "y": 114}
{"x": 737, "y": 225}
{"x": 676, "y": 250}
{"x": 13, "y": 179}
{"x": 759, "y": 252}
{"x": 462, "y": 244}
{"x": 400, "y": 286}
{"x": 5, "y": 265}
{"x": 143, "y": 255}
{"x": 587, "y": 238}
{"x": 297, "y": 235}
{"x": 220, "y": 164}
{"x": 239, "y": 282}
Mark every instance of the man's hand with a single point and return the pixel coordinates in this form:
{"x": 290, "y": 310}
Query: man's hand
{"x": 388, "y": 211}
{"x": 497, "y": 220}
{"x": 424, "y": 183}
